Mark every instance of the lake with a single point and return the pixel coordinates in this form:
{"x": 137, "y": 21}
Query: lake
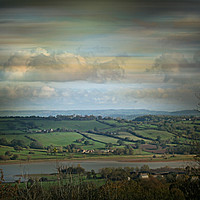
{"x": 12, "y": 170}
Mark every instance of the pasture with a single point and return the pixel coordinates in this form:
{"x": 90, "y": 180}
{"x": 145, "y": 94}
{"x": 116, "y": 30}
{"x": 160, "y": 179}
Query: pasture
{"x": 94, "y": 136}
{"x": 155, "y": 133}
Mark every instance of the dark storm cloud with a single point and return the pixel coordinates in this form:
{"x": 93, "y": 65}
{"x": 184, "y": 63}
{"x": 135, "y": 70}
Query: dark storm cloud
{"x": 153, "y": 7}
{"x": 175, "y": 67}
{"x": 115, "y": 26}
{"x": 197, "y": 59}
{"x": 25, "y": 3}
{"x": 187, "y": 38}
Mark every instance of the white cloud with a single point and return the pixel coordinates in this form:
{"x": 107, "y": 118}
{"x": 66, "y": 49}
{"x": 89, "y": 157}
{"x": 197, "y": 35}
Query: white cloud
{"x": 156, "y": 93}
{"x": 44, "y": 92}
{"x": 20, "y": 91}
{"x": 41, "y": 65}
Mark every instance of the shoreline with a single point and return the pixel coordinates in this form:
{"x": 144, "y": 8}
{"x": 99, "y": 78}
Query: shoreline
{"x": 116, "y": 159}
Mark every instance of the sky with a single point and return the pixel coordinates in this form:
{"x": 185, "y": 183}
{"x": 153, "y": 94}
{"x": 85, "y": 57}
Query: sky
{"x": 87, "y": 55}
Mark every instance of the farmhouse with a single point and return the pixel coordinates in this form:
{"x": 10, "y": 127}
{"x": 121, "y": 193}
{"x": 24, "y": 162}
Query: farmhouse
{"x": 143, "y": 175}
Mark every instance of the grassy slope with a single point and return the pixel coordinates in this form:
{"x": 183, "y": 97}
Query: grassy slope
{"x": 103, "y": 138}
{"x": 64, "y": 139}
{"x": 154, "y": 133}
{"x": 132, "y": 137}
{"x": 11, "y": 125}
{"x": 17, "y": 137}
{"x": 79, "y": 125}
{"x": 19, "y": 125}
{"x": 56, "y": 138}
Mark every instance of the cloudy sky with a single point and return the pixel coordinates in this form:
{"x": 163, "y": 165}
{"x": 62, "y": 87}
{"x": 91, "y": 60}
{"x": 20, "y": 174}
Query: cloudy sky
{"x": 108, "y": 54}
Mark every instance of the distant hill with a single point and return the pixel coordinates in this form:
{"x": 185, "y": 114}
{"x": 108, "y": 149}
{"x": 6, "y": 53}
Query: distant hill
{"x": 123, "y": 113}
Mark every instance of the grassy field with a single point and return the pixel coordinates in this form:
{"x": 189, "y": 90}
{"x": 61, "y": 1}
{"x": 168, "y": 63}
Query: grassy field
{"x": 79, "y": 125}
{"x": 17, "y": 137}
{"x": 113, "y": 129}
{"x": 155, "y": 133}
{"x": 20, "y": 125}
{"x": 61, "y": 133}
{"x": 64, "y": 139}
{"x": 116, "y": 123}
{"x": 74, "y": 179}
{"x": 132, "y": 137}
{"x": 57, "y": 138}
{"x": 103, "y": 138}
{"x": 11, "y": 125}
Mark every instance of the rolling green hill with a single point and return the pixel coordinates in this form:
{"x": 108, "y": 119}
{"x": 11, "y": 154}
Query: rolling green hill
{"x": 94, "y": 136}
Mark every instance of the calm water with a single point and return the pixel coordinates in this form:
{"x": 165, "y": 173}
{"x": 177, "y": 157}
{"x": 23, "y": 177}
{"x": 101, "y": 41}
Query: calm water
{"x": 10, "y": 171}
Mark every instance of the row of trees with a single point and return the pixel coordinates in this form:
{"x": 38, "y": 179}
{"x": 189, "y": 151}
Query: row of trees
{"x": 181, "y": 149}
{"x": 21, "y": 144}
{"x": 9, "y": 156}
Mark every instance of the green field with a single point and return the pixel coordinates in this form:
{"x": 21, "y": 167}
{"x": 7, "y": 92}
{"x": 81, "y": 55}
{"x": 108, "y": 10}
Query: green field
{"x": 116, "y": 123}
{"x": 64, "y": 139}
{"x": 78, "y": 125}
{"x": 17, "y": 137}
{"x": 20, "y": 125}
{"x": 95, "y": 135}
{"x": 103, "y": 138}
{"x": 155, "y": 133}
{"x": 57, "y": 138}
{"x": 132, "y": 137}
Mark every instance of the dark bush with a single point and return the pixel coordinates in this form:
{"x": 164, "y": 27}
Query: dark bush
{"x": 8, "y": 153}
{"x": 18, "y": 148}
{"x": 2, "y": 157}
{"x": 36, "y": 145}
{"x": 14, "y": 157}
{"x": 20, "y": 143}
{"x": 3, "y": 141}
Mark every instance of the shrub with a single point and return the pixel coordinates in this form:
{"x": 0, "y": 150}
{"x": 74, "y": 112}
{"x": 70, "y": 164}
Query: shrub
{"x": 17, "y": 148}
{"x": 20, "y": 143}
{"x": 2, "y": 157}
{"x": 8, "y": 153}
{"x": 3, "y": 141}
{"x": 36, "y": 145}
{"x": 14, "y": 157}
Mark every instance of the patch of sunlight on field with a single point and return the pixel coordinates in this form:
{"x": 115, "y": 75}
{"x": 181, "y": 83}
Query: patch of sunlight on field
{"x": 56, "y": 138}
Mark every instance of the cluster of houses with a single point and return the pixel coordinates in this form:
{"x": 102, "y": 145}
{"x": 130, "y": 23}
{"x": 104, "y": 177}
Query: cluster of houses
{"x": 45, "y": 131}
{"x": 177, "y": 175}
{"x": 83, "y": 151}
{"x": 87, "y": 151}
{"x": 53, "y": 130}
